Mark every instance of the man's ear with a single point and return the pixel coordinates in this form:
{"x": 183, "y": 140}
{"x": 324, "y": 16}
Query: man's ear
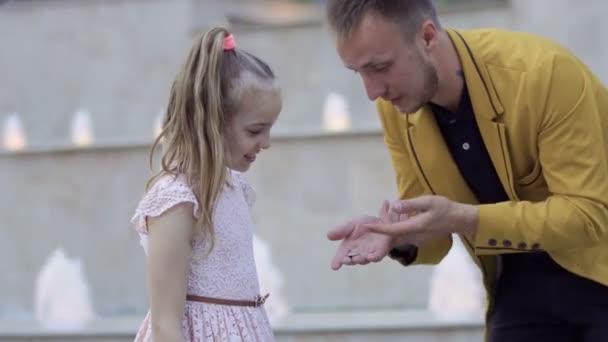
{"x": 430, "y": 34}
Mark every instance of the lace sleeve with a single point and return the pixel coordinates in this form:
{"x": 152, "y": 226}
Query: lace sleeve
{"x": 165, "y": 194}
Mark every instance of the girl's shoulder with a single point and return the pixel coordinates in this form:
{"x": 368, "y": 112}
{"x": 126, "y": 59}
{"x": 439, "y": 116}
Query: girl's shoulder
{"x": 166, "y": 192}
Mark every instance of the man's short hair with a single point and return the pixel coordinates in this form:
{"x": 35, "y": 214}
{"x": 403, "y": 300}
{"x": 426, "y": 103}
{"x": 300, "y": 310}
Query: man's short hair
{"x": 345, "y": 16}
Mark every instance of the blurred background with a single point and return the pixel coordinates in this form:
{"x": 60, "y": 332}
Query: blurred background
{"x": 82, "y": 88}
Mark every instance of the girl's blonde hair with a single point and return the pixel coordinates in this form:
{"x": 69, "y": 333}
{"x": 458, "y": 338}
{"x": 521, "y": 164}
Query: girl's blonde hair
{"x": 205, "y": 95}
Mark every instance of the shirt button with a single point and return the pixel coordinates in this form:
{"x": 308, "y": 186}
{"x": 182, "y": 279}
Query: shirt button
{"x": 466, "y": 146}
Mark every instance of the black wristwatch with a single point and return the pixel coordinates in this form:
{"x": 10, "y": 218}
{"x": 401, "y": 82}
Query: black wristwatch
{"x": 405, "y": 255}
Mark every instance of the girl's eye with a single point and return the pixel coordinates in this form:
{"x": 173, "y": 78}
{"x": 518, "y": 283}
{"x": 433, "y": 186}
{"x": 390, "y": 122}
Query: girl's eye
{"x": 380, "y": 68}
{"x": 255, "y": 132}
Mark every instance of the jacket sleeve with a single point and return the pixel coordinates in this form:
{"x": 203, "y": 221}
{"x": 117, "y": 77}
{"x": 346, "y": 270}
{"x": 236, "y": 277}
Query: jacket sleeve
{"x": 429, "y": 252}
{"x": 573, "y": 153}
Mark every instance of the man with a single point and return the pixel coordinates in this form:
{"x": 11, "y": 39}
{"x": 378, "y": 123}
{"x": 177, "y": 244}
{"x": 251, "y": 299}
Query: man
{"x": 500, "y": 137}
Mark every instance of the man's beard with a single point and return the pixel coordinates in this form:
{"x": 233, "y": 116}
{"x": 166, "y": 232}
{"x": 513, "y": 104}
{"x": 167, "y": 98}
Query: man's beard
{"x": 430, "y": 83}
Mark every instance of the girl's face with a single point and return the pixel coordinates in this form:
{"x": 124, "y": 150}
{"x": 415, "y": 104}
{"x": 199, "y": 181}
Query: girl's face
{"x": 248, "y": 130}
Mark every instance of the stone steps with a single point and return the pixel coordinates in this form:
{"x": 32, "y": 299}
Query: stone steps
{"x": 388, "y": 326}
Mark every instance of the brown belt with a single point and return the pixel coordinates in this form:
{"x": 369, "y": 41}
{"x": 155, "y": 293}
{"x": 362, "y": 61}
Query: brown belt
{"x": 260, "y": 300}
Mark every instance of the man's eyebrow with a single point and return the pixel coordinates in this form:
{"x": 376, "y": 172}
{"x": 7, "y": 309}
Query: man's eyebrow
{"x": 368, "y": 64}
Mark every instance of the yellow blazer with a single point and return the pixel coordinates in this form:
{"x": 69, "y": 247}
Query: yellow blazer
{"x": 543, "y": 116}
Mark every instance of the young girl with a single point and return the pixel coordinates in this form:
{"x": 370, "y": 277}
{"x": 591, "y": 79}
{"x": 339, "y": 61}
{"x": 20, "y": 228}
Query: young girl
{"x": 195, "y": 219}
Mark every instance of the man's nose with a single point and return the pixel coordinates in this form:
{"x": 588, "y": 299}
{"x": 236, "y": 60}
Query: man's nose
{"x": 373, "y": 88}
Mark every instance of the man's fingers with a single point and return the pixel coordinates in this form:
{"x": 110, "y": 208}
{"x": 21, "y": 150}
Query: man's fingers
{"x": 355, "y": 260}
{"x": 340, "y": 257}
{"x": 359, "y": 230}
{"x": 384, "y": 212}
{"x": 385, "y": 217}
{"x": 341, "y": 232}
{"x": 336, "y": 263}
{"x": 411, "y": 225}
{"x": 359, "y": 260}
{"x": 385, "y": 228}
{"x": 417, "y": 204}
{"x": 375, "y": 256}
{"x": 394, "y": 216}
{"x": 346, "y": 261}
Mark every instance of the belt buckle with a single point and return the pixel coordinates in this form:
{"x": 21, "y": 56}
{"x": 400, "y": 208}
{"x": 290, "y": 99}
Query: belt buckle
{"x": 260, "y": 300}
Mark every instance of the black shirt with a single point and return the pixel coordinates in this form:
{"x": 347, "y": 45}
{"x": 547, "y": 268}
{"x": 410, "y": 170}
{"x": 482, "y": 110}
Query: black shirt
{"x": 468, "y": 150}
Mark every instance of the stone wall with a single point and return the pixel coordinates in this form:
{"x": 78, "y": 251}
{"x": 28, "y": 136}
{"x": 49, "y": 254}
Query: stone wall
{"x": 82, "y": 200}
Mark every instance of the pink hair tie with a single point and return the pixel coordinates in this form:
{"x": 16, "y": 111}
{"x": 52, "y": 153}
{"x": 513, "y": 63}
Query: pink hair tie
{"x": 229, "y": 43}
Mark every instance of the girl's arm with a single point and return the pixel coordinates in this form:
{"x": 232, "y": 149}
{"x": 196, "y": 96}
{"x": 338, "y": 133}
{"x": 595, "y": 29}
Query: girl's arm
{"x": 169, "y": 253}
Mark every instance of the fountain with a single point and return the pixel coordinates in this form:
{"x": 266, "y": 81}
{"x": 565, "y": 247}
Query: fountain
{"x": 81, "y": 129}
{"x": 14, "y": 134}
{"x": 269, "y": 276}
{"x": 456, "y": 286}
{"x": 336, "y": 117}
{"x": 62, "y": 298}
{"x": 271, "y": 281}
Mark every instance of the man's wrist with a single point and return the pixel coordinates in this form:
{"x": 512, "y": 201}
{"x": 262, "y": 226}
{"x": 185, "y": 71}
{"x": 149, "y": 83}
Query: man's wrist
{"x": 467, "y": 218}
{"x": 399, "y": 242}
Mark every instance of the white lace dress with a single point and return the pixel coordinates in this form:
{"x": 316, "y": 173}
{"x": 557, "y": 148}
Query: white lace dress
{"x": 228, "y": 272}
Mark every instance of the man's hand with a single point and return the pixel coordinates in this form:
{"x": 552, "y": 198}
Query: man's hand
{"x": 366, "y": 248}
{"x": 428, "y": 216}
